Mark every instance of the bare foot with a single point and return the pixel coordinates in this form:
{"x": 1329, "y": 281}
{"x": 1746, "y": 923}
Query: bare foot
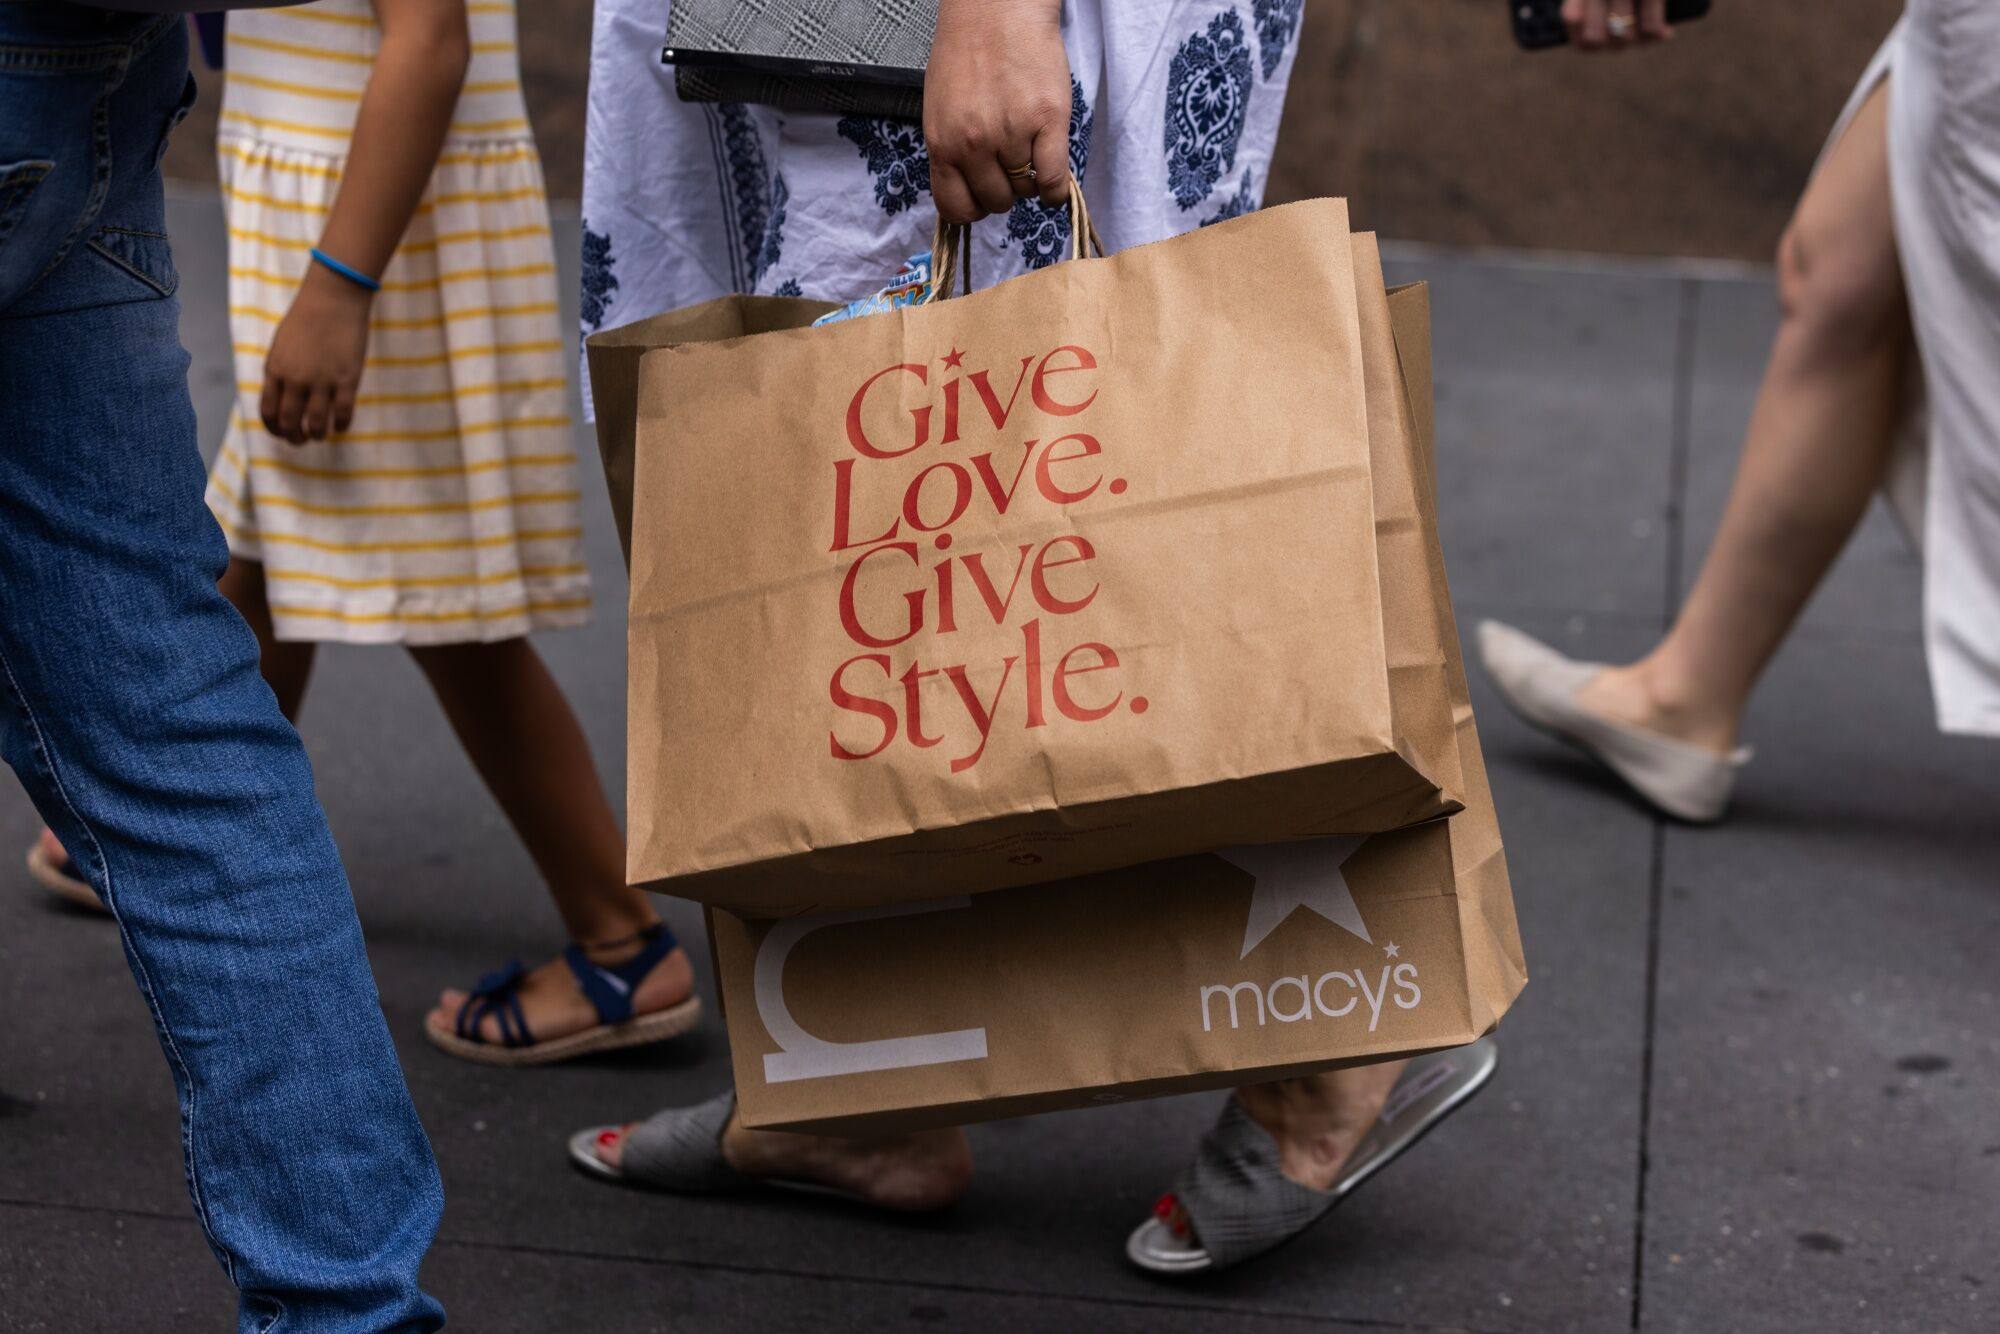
{"x": 911, "y": 1173}
{"x": 55, "y": 871}
{"x": 556, "y": 1007}
{"x": 1316, "y": 1121}
{"x": 1636, "y": 694}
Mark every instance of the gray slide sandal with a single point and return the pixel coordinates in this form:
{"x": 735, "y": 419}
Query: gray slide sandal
{"x": 680, "y": 1150}
{"x": 1242, "y": 1204}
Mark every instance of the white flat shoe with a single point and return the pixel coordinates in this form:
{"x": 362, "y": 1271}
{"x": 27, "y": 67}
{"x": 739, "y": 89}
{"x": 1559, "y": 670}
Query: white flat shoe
{"x": 1685, "y": 781}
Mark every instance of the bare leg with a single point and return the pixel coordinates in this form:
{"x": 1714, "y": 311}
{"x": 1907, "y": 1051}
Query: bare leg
{"x": 1316, "y": 1120}
{"x": 525, "y": 741}
{"x": 1818, "y": 443}
{"x": 915, "y": 1173}
{"x": 286, "y": 663}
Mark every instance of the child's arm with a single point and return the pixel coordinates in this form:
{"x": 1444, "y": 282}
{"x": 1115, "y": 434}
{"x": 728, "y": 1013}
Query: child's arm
{"x": 314, "y": 366}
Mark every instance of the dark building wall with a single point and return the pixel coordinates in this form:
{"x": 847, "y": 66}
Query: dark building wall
{"x": 1426, "y": 116}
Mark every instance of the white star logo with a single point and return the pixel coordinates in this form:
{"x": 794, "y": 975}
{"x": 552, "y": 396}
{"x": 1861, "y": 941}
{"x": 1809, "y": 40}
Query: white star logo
{"x": 1391, "y": 949}
{"x": 1297, "y": 875}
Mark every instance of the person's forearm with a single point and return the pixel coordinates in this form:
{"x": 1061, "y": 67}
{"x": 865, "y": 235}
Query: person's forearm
{"x": 400, "y": 129}
{"x": 960, "y": 11}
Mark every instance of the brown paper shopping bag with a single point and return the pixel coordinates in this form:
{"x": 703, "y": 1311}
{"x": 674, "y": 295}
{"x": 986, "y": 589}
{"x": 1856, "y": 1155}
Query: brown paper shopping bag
{"x": 1255, "y": 963}
{"x": 614, "y": 356}
{"x": 1074, "y": 573}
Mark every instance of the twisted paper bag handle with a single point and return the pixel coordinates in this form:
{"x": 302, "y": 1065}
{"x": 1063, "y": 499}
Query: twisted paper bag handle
{"x": 951, "y": 249}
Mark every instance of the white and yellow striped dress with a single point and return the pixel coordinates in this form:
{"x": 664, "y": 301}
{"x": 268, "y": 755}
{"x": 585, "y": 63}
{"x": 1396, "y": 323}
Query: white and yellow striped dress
{"x": 448, "y": 512}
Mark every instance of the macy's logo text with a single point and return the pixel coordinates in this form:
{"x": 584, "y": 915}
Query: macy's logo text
{"x": 1335, "y": 995}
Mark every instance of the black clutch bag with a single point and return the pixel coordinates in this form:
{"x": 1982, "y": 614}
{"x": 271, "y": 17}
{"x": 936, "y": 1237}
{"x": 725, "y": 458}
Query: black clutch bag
{"x": 847, "y": 57}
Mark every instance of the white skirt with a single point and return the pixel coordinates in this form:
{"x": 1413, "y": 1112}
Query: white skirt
{"x": 1944, "y": 172}
{"x": 1174, "y": 111}
{"x": 449, "y": 513}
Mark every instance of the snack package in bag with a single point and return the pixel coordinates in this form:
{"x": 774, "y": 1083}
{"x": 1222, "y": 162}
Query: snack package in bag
{"x": 1253, "y": 963}
{"x": 909, "y": 287}
{"x": 1075, "y": 573}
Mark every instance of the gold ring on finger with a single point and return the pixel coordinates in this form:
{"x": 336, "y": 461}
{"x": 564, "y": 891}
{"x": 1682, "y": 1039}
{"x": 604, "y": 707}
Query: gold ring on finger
{"x": 1024, "y": 172}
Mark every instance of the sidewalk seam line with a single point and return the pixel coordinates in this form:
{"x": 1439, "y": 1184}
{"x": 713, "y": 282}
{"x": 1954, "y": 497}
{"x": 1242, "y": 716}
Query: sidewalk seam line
{"x": 1676, "y": 521}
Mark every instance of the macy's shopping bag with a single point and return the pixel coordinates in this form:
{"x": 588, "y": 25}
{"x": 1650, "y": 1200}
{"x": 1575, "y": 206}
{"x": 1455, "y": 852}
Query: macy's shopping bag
{"x": 1074, "y": 573}
{"x": 1253, "y": 963}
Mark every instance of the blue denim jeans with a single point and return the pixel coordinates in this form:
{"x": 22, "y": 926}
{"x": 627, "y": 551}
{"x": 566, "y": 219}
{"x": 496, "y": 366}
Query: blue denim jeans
{"x": 132, "y": 709}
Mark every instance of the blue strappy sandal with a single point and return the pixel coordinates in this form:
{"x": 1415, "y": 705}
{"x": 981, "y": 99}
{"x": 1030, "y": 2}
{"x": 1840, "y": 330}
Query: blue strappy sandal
{"x": 608, "y": 989}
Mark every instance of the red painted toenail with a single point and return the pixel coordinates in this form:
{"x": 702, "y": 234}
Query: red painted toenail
{"x": 607, "y": 1138}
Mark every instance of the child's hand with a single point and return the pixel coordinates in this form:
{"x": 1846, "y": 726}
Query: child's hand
{"x": 314, "y": 366}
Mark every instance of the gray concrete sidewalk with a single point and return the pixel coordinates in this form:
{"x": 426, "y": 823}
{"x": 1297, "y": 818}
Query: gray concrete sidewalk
{"x": 1752, "y": 1086}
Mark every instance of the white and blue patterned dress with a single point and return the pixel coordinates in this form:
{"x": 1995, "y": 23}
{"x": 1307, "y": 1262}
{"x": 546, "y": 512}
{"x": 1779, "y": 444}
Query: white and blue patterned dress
{"x": 1174, "y": 113}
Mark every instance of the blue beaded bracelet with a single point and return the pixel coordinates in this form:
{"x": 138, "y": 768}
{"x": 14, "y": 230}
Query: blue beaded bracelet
{"x": 348, "y": 272}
